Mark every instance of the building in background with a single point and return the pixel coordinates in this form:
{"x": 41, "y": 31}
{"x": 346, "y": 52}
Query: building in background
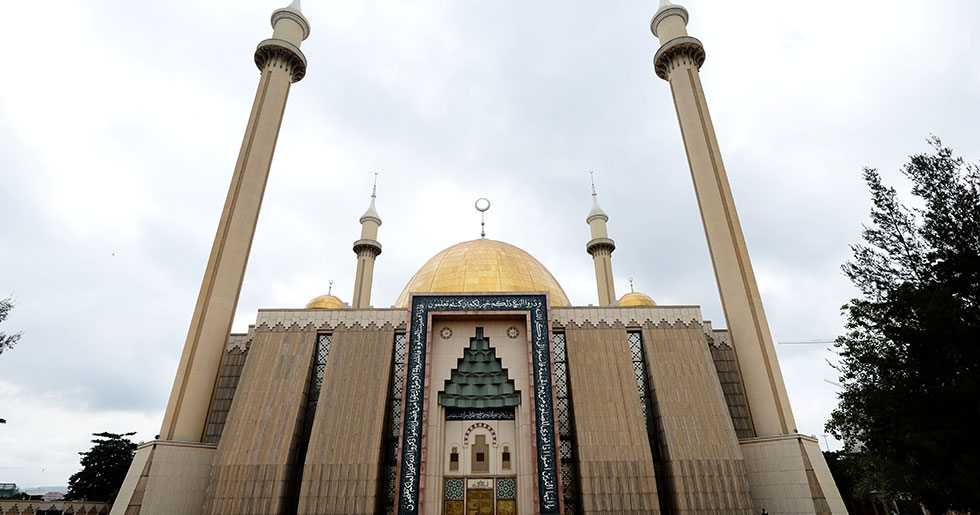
{"x": 484, "y": 389}
{"x": 8, "y": 489}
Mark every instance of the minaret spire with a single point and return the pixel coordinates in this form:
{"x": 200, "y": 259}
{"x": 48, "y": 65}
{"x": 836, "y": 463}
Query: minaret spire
{"x": 367, "y": 249}
{"x": 280, "y": 64}
{"x": 678, "y": 61}
{"x": 601, "y": 247}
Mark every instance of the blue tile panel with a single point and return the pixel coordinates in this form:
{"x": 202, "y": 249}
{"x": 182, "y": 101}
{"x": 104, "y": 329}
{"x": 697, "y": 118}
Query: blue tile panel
{"x": 454, "y": 489}
{"x": 506, "y": 488}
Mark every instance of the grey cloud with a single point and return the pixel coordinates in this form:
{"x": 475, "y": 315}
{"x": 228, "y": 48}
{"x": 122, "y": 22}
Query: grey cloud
{"x": 450, "y": 101}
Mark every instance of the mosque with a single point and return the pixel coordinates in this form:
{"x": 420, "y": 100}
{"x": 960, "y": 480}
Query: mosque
{"x": 483, "y": 390}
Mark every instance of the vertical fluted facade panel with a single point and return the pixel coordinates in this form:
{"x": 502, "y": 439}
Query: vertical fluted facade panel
{"x": 343, "y": 463}
{"x": 703, "y": 465}
{"x": 255, "y": 460}
{"x": 726, "y": 365}
{"x": 614, "y": 458}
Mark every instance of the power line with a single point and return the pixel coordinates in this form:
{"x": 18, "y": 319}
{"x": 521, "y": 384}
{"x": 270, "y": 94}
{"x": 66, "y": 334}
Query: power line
{"x": 828, "y": 381}
{"x": 808, "y": 342}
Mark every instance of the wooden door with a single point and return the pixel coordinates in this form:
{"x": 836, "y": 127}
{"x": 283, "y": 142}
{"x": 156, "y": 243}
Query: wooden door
{"x": 479, "y": 502}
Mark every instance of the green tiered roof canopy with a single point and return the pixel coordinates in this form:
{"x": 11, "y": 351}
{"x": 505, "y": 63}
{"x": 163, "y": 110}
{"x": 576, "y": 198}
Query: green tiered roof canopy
{"x": 479, "y": 380}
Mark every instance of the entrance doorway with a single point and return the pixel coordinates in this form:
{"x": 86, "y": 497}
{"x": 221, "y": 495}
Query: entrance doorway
{"x": 480, "y": 496}
{"x": 479, "y": 502}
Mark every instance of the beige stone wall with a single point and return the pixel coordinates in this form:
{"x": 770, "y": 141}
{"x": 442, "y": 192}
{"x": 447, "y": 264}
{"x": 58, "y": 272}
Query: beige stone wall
{"x": 166, "y": 478}
{"x": 329, "y": 319}
{"x": 498, "y": 434}
{"x": 229, "y": 374}
{"x": 343, "y": 462}
{"x": 703, "y": 466}
{"x": 730, "y": 377}
{"x": 821, "y": 477}
{"x": 615, "y": 463}
{"x": 789, "y": 475}
{"x": 11, "y": 507}
{"x": 130, "y": 496}
{"x": 626, "y": 317}
{"x": 254, "y": 463}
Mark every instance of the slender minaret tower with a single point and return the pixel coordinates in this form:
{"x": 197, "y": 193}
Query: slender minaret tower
{"x": 367, "y": 249}
{"x": 601, "y": 247}
{"x": 678, "y": 61}
{"x": 281, "y": 63}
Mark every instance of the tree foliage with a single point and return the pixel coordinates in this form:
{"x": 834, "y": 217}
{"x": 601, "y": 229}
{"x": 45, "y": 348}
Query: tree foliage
{"x": 7, "y": 341}
{"x": 910, "y": 357}
{"x": 104, "y": 467}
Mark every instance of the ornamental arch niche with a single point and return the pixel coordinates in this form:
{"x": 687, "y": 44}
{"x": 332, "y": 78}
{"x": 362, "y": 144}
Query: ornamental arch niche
{"x": 483, "y": 368}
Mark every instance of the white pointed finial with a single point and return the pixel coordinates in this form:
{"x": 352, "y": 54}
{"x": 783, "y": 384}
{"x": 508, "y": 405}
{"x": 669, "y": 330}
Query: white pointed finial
{"x": 296, "y": 7}
{"x": 372, "y": 211}
{"x": 597, "y": 211}
{"x": 663, "y": 3}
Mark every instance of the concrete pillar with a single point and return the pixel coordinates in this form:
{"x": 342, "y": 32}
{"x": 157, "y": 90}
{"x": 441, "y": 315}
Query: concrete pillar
{"x": 678, "y": 62}
{"x": 281, "y": 63}
{"x": 367, "y": 249}
{"x": 601, "y": 247}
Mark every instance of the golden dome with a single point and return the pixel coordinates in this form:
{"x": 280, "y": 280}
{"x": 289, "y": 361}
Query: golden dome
{"x": 636, "y": 299}
{"x": 325, "y": 302}
{"x": 483, "y": 266}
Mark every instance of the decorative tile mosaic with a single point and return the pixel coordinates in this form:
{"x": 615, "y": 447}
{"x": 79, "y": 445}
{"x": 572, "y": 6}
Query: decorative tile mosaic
{"x": 566, "y": 435}
{"x": 390, "y": 449}
{"x": 544, "y": 423}
{"x": 454, "y": 489}
{"x": 506, "y": 488}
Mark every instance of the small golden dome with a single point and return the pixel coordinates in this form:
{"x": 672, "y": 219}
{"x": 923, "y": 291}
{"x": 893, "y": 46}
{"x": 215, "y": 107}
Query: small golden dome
{"x": 636, "y": 299}
{"x": 325, "y": 302}
{"x": 480, "y": 266}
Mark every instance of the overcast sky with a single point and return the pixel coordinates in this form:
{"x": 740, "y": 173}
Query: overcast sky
{"x": 120, "y": 123}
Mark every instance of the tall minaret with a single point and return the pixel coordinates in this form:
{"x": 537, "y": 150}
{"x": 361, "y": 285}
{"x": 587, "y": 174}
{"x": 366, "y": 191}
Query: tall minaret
{"x": 367, "y": 249}
{"x": 678, "y": 61}
{"x": 281, "y": 63}
{"x": 601, "y": 246}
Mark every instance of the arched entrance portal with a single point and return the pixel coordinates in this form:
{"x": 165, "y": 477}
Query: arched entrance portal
{"x": 479, "y": 403}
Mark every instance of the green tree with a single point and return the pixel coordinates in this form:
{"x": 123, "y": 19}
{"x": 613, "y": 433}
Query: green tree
{"x": 910, "y": 357}
{"x": 7, "y": 341}
{"x": 104, "y": 467}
